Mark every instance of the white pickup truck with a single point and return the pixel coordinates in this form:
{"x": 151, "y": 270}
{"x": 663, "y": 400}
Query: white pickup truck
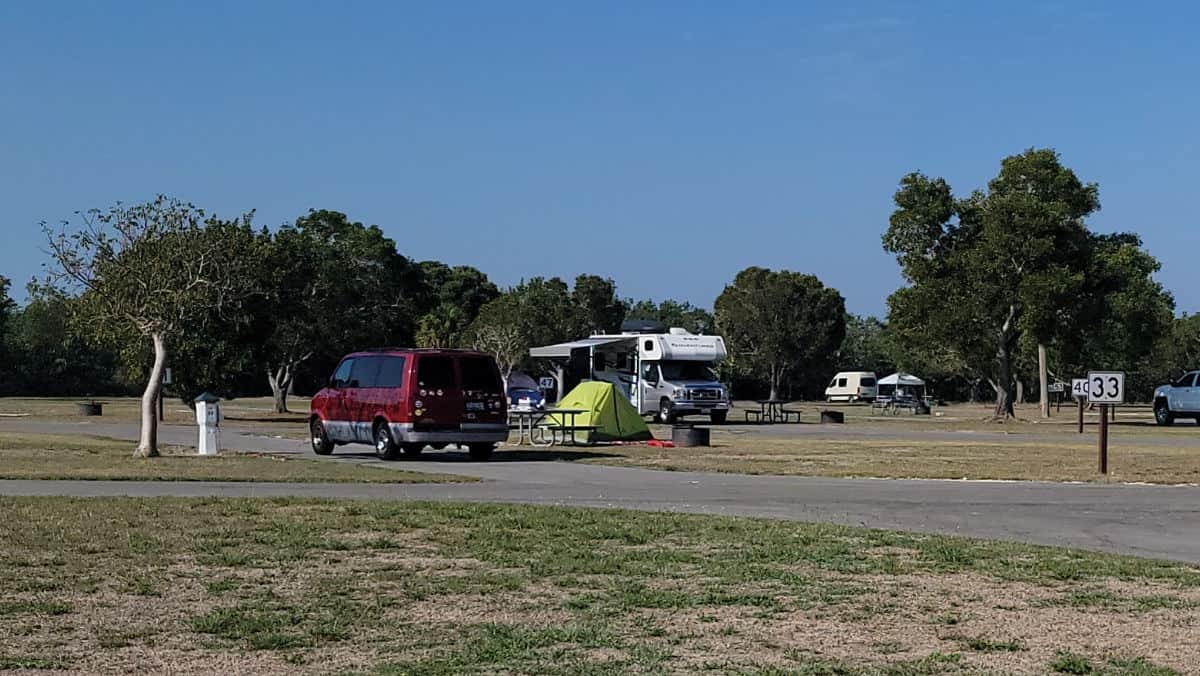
{"x": 1180, "y": 399}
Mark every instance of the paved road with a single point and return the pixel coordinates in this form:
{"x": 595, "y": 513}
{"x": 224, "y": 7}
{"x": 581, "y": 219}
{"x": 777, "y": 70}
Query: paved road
{"x": 1156, "y": 521}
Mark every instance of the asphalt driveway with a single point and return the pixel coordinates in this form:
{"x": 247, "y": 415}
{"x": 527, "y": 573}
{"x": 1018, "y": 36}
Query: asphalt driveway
{"x": 1154, "y": 521}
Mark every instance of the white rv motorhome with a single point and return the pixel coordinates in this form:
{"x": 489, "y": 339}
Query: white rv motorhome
{"x": 668, "y": 375}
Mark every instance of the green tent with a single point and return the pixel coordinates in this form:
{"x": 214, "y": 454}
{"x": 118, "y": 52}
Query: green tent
{"x": 614, "y": 417}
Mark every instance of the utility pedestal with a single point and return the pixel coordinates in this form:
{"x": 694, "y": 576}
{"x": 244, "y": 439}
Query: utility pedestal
{"x": 208, "y": 417}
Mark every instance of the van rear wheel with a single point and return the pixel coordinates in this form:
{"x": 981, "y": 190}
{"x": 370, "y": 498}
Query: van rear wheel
{"x": 385, "y": 446}
{"x": 480, "y": 451}
{"x": 321, "y": 444}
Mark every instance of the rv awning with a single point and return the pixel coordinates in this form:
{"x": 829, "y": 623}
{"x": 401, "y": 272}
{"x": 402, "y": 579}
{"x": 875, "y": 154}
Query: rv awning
{"x": 563, "y": 350}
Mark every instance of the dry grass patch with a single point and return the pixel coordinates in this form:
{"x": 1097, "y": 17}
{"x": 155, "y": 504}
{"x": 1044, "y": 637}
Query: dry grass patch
{"x": 1029, "y": 461}
{"x": 300, "y": 587}
{"x": 43, "y": 456}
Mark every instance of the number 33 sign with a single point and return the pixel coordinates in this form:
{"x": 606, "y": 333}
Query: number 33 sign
{"x": 1106, "y": 387}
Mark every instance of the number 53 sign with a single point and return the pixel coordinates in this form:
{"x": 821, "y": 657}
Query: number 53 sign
{"x": 1106, "y": 387}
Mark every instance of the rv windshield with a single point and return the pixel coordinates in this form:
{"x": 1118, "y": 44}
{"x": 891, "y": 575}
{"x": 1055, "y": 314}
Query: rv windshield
{"x": 686, "y": 370}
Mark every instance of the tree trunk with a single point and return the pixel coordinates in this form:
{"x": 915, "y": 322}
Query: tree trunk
{"x": 775, "y": 377}
{"x": 1020, "y": 398}
{"x": 281, "y": 383}
{"x": 1043, "y": 381}
{"x": 148, "y": 442}
{"x": 1004, "y": 384}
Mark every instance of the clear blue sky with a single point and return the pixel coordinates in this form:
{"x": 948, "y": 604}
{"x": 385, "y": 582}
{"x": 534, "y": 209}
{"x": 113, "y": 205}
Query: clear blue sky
{"x": 664, "y": 144}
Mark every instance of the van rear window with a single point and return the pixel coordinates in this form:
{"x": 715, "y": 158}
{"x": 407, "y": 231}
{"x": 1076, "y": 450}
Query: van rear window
{"x": 391, "y": 372}
{"x": 436, "y": 373}
{"x": 479, "y": 374}
{"x": 867, "y": 382}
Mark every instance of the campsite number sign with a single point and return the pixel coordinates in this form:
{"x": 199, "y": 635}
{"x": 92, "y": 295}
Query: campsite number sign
{"x": 1106, "y": 387}
{"x": 1079, "y": 387}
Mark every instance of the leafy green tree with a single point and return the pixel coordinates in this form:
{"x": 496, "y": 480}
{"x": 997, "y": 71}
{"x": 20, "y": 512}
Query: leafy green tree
{"x": 865, "y": 347}
{"x": 600, "y": 310}
{"x": 985, "y": 270}
{"x": 1126, "y": 311}
{"x": 672, "y": 313}
{"x": 535, "y": 312}
{"x": 334, "y": 285}
{"x": 453, "y": 298}
{"x": 781, "y": 323}
{"x": 149, "y": 273}
{"x": 7, "y": 307}
{"x": 49, "y": 357}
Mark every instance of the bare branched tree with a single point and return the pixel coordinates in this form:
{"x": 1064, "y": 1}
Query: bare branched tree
{"x": 504, "y": 343}
{"x": 150, "y": 271}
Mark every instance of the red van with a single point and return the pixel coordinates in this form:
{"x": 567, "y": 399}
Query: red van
{"x": 403, "y": 400}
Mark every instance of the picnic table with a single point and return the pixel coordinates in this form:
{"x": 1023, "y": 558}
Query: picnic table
{"x": 894, "y": 405}
{"x": 532, "y": 425}
{"x": 771, "y": 411}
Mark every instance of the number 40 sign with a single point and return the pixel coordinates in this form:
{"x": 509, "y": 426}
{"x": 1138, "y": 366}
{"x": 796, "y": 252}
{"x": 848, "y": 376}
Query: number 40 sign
{"x": 1106, "y": 387}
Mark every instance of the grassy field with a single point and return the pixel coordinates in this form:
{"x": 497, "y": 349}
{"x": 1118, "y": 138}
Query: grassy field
{"x": 870, "y": 457}
{"x": 258, "y": 412}
{"x": 29, "y": 456}
{"x": 290, "y": 586}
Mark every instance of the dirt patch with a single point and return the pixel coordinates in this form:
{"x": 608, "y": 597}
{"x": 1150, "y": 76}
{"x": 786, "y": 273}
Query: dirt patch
{"x": 540, "y": 605}
{"x": 993, "y": 625}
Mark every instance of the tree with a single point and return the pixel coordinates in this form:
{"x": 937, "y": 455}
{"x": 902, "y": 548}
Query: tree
{"x": 1127, "y": 312}
{"x": 600, "y": 309}
{"x": 335, "y": 285}
{"x": 51, "y": 358}
{"x": 781, "y": 323}
{"x": 672, "y": 313}
{"x": 994, "y": 266}
{"x": 498, "y": 333}
{"x": 535, "y": 312}
{"x": 7, "y": 306}
{"x": 151, "y": 271}
{"x": 452, "y": 300}
{"x": 865, "y": 347}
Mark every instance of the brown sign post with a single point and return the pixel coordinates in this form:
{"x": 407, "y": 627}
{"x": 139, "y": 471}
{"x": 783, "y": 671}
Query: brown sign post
{"x": 1079, "y": 390}
{"x": 1105, "y": 388}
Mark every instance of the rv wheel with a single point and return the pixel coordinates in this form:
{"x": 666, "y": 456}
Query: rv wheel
{"x": 666, "y": 415}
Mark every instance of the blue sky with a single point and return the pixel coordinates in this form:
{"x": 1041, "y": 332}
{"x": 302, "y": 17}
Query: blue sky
{"x": 664, "y": 144}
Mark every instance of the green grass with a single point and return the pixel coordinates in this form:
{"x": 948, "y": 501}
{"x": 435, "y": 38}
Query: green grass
{"x": 24, "y": 662}
{"x": 981, "y": 644}
{"x": 40, "y": 456}
{"x": 442, "y": 588}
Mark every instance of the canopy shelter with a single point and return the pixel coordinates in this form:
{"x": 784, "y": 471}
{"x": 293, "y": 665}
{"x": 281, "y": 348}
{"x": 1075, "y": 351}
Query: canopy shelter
{"x": 614, "y": 418}
{"x": 901, "y": 385}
